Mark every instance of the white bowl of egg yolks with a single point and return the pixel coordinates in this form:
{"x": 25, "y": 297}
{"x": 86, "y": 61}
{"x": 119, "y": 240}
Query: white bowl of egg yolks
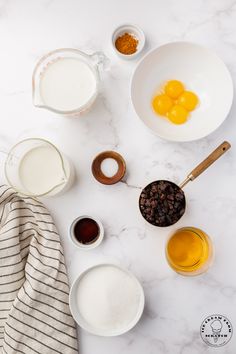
{"x": 201, "y": 71}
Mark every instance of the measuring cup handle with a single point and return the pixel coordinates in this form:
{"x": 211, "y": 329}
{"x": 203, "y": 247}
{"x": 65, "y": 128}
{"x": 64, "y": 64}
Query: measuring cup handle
{"x": 218, "y": 152}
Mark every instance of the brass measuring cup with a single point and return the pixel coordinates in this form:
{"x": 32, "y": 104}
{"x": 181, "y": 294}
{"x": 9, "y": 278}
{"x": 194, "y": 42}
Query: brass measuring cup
{"x": 156, "y": 209}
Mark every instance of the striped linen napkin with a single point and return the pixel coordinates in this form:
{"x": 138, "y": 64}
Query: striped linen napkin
{"x": 34, "y": 311}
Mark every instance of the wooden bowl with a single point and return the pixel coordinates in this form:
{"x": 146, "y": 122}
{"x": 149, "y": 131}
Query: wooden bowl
{"x": 97, "y": 171}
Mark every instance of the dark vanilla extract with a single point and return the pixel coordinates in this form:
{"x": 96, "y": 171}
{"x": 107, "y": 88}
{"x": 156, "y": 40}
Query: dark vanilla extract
{"x": 86, "y": 231}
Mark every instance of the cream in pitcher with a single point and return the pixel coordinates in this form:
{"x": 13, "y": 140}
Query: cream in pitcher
{"x": 35, "y": 167}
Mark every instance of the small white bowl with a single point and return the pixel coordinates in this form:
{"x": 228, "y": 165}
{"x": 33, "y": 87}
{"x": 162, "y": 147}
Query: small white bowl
{"x": 90, "y": 245}
{"x": 133, "y": 30}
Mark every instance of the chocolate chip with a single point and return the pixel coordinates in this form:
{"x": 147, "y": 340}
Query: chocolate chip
{"x": 170, "y": 197}
{"x": 154, "y": 203}
{"x": 179, "y": 196}
{"x": 162, "y": 203}
{"x": 142, "y": 201}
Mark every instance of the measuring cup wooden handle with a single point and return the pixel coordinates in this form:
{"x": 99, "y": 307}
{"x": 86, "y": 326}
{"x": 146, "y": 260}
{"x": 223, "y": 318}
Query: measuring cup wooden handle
{"x": 218, "y": 152}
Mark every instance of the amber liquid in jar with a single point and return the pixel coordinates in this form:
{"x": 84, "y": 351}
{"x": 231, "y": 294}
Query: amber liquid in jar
{"x": 189, "y": 251}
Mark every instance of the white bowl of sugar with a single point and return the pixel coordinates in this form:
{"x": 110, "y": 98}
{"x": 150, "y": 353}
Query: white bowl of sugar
{"x": 106, "y": 300}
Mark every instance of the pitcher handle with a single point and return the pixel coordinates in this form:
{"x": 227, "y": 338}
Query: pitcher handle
{"x": 101, "y": 61}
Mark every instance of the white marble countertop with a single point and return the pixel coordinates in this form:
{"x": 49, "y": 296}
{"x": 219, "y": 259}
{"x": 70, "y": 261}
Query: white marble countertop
{"x": 175, "y": 305}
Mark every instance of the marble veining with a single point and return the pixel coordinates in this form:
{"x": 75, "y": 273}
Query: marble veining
{"x": 175, "y": 306}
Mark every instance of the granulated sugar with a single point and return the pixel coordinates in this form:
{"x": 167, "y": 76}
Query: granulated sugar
{"x": 108, "y": 298}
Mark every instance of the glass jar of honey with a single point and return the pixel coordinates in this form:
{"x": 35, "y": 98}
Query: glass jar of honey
{"x": 189, "y": 251}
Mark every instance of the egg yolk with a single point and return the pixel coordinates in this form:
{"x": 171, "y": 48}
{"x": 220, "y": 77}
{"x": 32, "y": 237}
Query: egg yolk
{"x": 178, "y": 114}
{"x": 188, "y": 100}
{"x": 174, "y": 88}
{"x": 162, "y": 104}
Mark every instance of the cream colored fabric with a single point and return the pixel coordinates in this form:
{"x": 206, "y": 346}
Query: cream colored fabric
{"x": 34, "y": 311}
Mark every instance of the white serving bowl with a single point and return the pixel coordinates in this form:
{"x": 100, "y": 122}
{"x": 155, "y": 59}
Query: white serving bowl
{"x": 76, "y": 313}
{"x": 136, "y": 32}
{"x": 201, "y": 71}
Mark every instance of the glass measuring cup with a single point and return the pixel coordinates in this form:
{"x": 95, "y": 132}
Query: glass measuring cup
{"x": 36, "y": 168}
{"x": 72, "y": 74}
{"x": 189, "y": 251}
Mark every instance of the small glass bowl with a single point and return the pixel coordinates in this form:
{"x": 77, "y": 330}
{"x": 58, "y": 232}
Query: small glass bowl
{"x": 203, "y": 263}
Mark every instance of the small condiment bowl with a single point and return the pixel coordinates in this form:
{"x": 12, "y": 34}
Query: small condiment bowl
{"x": 91, "y": 245}
{"x": 133, "y": 30}
{"x": 97, "y": 170}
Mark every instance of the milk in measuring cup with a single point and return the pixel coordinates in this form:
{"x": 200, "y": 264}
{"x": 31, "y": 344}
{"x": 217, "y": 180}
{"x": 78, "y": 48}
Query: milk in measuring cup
{"x": 67, "y": 84}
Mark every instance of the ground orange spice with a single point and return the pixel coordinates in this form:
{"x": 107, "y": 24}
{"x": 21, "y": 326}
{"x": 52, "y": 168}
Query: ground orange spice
{"x": 126, "y": 44}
